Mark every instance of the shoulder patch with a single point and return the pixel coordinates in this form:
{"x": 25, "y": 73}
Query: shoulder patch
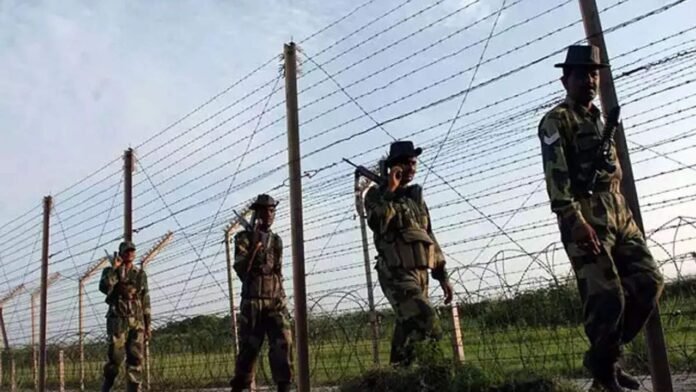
{"x": 551, "y": 126}
{"x": 552, "y": 139}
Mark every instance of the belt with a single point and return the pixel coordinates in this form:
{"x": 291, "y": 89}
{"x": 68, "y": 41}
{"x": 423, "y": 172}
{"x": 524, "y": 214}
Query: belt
{"x": 602, "y": 187}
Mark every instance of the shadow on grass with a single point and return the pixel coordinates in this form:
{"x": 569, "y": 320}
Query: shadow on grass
{"x": 441, "y": 377}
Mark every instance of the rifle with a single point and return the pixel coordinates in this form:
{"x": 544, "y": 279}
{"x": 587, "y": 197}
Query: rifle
{"x": 250, "y": 227}
{"x": 602, "y": 160}
{"x": 367, "y": 173}
{"x": 245, "y": 223}
{"x": 112, "y": 260}
{"x": 121, "y": 271}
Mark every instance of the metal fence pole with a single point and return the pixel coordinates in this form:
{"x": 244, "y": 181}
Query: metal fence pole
{"x": 457, "y": 341}
{"x": 360, "y": 207}
{"x": 13, "y": 375}
{"x": 297, "y": 234}
{"x": 61, "y": 371}
{"x": 48, "y": 204}
{"x": 230, "y": 288}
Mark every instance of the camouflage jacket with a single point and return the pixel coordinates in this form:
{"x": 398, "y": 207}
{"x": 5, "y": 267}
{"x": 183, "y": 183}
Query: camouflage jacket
{"x": 570, "y": 137}
{"x": 127, "y": 296}
{"x": 265, "y": 276}
{"x": 402, "y": 229}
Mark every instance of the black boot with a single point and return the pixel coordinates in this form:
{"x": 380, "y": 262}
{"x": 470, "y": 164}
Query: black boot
{"x": 107, "y": 384}
{"x": 132, "y": 387}
{"x": 283, "y": 387}
{"x": 626, "y": 380}
{"x": 239, "y": 387}
{"x": 603, "y": 372}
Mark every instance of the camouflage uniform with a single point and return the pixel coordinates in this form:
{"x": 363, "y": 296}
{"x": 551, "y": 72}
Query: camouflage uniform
{"x": 620, "y": 286}
{"x": 126, "y": 320}
{"x": 263, "y": 310}
{"x": 406, "y": 249}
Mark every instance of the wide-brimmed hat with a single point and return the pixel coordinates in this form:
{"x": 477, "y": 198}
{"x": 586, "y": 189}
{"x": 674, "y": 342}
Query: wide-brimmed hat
{"x": 582, "y": 56}
{"x": 263, "y": 200}
{"x": 125, "y": 246}
{"x": 402, "y": 149}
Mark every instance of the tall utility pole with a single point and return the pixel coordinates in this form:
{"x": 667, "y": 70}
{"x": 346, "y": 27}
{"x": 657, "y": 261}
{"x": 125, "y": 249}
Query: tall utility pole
{"x": 128, "y": 168}
{"x": 360, "y": 189}
{"x": 81, "y": 310}
{"x": 47, "y": 206}
{"x": 654, "y": 336}
{"x": 297, "y": 233}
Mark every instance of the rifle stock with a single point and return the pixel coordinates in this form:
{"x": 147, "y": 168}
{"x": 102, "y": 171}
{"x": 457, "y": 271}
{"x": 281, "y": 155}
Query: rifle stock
{"x": 245, "y": 223}
{"x": 603, "y": 159}
{"x": 367, "y": 173}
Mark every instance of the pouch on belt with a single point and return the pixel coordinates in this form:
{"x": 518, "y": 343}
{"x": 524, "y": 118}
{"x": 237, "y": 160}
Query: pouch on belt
{"x": 411, "y": 248}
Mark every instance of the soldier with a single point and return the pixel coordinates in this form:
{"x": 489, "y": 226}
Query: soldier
{"x": 618, "y": 279}
{"x": 128, "y": 318}
{"x": 263, "y": 310}
{"x": 406, "y": 247}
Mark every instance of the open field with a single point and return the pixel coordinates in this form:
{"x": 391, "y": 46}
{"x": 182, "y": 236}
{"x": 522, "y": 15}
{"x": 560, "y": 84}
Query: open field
{"x": 553, "y": 351}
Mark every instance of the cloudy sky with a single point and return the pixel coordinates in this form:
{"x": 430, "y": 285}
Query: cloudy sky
{"x": 82, "y": 81}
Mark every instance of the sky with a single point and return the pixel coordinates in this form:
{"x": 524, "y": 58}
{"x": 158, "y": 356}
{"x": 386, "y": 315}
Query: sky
{"x": 83, "y": 81}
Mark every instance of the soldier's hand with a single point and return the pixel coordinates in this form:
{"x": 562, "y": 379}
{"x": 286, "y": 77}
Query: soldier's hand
{"x": 118, "y": 261}
{"x": 256, "y": 236}
{"x": 447, "y": 291}
{"x": 586, "y": 238}
{"x": 395, "y": 175}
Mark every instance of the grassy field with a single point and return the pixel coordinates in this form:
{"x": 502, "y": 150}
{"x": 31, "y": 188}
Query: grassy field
{"x": 553, "y": 351}
{"x": 527, "y": 335}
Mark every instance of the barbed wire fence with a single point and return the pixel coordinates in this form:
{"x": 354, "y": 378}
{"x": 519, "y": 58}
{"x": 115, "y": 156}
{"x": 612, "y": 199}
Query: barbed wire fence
{"x": 467, "y": 81}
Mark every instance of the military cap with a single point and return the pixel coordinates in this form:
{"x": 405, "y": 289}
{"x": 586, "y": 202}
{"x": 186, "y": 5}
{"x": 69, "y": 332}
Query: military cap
{"x": 125, "y": 246}
{"x": 582, "y": 56}
{"x": 402, "y": 149}
{"x": 263, "y": 200}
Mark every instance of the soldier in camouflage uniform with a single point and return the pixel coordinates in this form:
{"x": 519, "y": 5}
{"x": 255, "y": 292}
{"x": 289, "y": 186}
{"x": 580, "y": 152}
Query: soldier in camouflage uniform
{"x": 263, "y": 311}
{"x": 128, "y": 318}
{"x": 406, "y": 247}
{"x": 618, "y": 279}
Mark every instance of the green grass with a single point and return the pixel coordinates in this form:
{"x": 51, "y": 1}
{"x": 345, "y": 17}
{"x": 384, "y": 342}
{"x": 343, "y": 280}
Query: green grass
{"x": 500, "y": 338}
{"x": 443, "y": 377}
{"x": 553, "y": 351}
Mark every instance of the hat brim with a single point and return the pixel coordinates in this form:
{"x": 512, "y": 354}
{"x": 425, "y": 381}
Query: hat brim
{"x": 588, "y": 65}
{"x": 255, "y": 206}
{"x": 416, "y": 152}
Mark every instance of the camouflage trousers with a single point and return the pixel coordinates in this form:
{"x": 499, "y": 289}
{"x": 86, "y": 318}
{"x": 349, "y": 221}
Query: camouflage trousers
{"x": 619, "y": 287}
{"x": 416, "y": 320}
{"x": 126, "y": 339}
{"x": 260, "y": 318}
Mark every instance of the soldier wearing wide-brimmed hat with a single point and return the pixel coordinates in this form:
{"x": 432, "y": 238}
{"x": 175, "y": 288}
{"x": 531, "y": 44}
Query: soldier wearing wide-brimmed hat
{"x": 618, "y": 279}
{"x": 263, "y": 311}
{"x": 407, "y": 249}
